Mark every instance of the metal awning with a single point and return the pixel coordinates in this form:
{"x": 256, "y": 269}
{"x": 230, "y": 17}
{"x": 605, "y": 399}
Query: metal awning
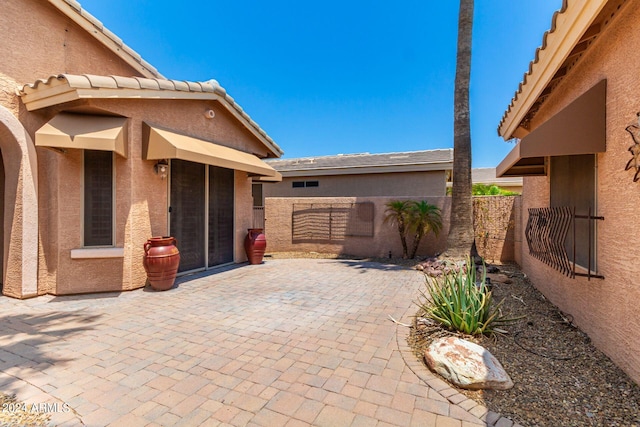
{"x": 86, "y": 132}
{"x": 580, "y": 128}
{"x": 276, "y": 178}
{"x": 163, "y": 144}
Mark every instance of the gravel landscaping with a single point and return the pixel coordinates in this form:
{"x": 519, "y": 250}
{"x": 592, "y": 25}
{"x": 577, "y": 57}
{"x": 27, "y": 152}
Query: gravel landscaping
{"x": 16, "y": 413}
{"x": 560, "y": 378}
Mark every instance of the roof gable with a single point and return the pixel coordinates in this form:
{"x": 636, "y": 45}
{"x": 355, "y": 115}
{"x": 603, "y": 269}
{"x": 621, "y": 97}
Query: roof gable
{"x": 74, "y": 11}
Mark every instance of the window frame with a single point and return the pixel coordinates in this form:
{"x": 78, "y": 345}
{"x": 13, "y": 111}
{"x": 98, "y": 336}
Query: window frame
{"x": 305, "y": 184}
{"x": 113, "y": 203}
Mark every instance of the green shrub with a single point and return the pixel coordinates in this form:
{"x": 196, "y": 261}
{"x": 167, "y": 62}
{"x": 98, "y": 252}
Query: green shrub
{"x": 491, "y": 190}
{"x": 456, "y": 301}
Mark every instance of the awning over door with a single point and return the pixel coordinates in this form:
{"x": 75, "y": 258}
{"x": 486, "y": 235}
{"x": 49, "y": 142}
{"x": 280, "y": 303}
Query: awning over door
{"x": 85, "y": 132}
{"x": 580, "y": 128}
{"x": 163, "y": 144}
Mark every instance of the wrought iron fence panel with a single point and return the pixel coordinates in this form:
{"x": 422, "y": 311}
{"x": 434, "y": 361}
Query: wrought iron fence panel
{"x": 546, "y": 233}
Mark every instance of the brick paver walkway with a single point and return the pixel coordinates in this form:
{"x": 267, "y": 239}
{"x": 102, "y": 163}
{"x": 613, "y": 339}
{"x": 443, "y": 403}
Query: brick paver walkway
{"x": 285, "y": 343}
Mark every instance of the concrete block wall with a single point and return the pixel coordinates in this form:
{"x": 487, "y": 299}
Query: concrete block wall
{"x": 499, "y": 245}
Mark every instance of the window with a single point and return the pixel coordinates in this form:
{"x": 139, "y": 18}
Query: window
{"x": 573, "y": 184}
{"x": 302, "y": 184}
{"x": 257, "y": 194}
{"x": 98, "y": 198}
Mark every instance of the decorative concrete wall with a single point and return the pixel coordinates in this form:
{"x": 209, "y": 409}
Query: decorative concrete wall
{"x": 499, "y": 219}
{"x": 278, "y": 229}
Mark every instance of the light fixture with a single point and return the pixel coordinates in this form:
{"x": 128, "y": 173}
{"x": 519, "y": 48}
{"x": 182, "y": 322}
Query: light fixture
{"x": 161, "y": 168}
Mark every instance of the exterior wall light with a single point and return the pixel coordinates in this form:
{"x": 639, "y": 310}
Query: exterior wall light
{"x": 162, "y": 168}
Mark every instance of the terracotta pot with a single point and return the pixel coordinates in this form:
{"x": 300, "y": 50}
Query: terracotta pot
{"x": 161, "y": 260}
{"x": 254, "y": 244}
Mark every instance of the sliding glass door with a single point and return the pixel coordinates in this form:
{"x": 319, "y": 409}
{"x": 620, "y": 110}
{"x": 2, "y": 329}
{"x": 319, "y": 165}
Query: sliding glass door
{"x": 220, "y": 216}
{"x": 201, "y": 214}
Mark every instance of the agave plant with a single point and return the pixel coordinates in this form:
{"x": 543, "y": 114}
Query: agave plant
{"x": 459, "y": 302}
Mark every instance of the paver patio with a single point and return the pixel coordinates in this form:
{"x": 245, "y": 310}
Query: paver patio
{"x": 285, "y": 343}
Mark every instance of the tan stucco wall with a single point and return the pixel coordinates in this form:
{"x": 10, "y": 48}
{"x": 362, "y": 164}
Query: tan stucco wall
{"x": 141, "y": 196}
{"x": 606, "y": 310}
{"x": 39, "y": 41}
{"x": 20, "y": 222}
{"x": 243, "y": 213}
{"x": 398, "y": 184}
{"x": 278, "y": 229}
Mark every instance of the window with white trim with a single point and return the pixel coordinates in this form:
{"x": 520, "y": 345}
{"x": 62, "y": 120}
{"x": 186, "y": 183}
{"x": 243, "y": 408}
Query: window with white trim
{"x": 98, "y": 205}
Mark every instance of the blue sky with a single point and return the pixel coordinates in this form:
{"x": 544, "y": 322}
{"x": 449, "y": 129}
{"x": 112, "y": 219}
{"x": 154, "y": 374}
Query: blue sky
{"x": 332, "y": 77}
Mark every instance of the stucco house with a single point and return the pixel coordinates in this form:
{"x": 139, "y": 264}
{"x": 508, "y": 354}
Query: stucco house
{"x": 487, "y": 176}
{"x": 575, "y": 116}
{"x": 101, "y": 152}
{"x": 401, "y": 174}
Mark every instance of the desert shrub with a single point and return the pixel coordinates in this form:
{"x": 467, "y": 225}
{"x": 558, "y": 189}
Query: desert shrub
{"x": 461, "y": 303}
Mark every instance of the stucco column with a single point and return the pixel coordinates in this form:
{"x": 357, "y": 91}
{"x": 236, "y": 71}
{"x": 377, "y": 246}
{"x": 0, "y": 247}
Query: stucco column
{"x": 21, "y": 208}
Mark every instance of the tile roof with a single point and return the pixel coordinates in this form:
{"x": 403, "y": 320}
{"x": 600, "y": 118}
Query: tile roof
{"x": 574, "y": 28}
{"x": 534, "y": 61}
{"x": 96, "y": 28}
{"x": 488, "y": 176}
{"x": 427, "y": 160}
{"x": 91, "y": 81}
{"x": 93, "y": 86}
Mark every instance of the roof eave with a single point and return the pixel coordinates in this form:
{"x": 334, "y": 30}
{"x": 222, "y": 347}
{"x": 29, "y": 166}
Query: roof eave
{"x": 358, "y": 170}
{"x": 66, "y": 88}
{"x": 567, "y": 30}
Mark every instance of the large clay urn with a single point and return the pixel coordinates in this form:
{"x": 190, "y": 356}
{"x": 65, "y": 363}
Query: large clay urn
{"x": 161, "y": 260}
{"x": 254, "y": 244}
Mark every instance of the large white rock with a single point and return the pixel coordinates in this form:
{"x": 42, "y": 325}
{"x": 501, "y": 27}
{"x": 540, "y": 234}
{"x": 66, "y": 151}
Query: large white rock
{"x": 466, "y": 364}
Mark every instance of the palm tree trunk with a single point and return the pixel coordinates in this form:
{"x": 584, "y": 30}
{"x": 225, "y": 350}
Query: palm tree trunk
{"x": 416, "y": 242}
{"x": 403, "y": 239}
{"x": 461, "y": 235}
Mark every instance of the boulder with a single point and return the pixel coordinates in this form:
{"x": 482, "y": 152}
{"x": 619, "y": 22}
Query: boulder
{"x": 466, "y": 364}
{"x": 499, "y": 278}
